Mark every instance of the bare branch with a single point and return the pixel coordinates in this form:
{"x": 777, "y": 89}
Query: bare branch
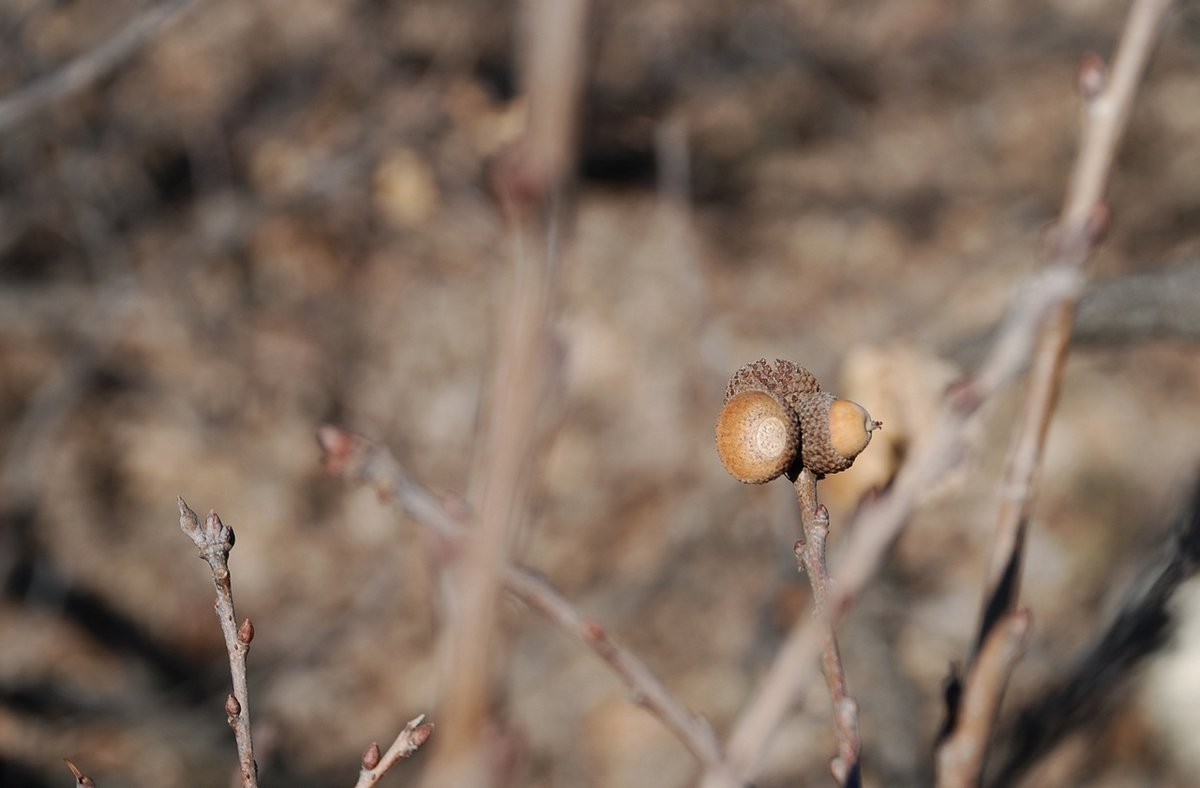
{"x": 215, "y": 539}
{"x": 355, "y": 458}
{"x": 86, "y": 69}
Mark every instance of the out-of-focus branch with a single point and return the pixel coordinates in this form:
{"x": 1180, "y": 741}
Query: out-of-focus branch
{"x": 960, "y": 756}
{"x": 354, "y": 458}
{"x": 375, "y": 765}
{"x": 91, "y": 66}
{"x": 1108, "y": 100}
{"x": 810, "y": 555}
{"x": 214, "y": 540}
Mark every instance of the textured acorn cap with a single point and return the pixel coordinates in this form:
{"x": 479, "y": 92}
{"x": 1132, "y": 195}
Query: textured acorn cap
{"x": 833, "y": 432}
{"x": 757, "y": 436}
{"x": 790, "y": 382}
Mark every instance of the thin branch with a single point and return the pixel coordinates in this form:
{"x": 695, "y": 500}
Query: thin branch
{"x": 1107, "y": 105}
{"x": 214, "y": 540}
{"x": 374, "y": 765}
{"x": 354, "y": 458}
{"x": 960, "y": 756}
{"x": 810, "y": 555}
{"x": 91, "y": 66}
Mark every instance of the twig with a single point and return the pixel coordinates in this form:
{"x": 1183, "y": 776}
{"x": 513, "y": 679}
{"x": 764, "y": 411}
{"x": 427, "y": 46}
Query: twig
{"x": 810, "y": 554}
{"x": 1084, "y": 220}
{"x": 354, "y": 458}
{"x": 214, "y": 540}
{"x": 90, "y": 66}
{"x": 960, "y": 756}
{"x": 81, "y": 779}
{"x": 374, "y": 765}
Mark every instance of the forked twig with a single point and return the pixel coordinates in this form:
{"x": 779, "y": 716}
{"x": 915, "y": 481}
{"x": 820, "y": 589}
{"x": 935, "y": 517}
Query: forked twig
{"x": 375, "y": 765}
{"x": 354, "y": 458}
{"x": 214, "y": 540}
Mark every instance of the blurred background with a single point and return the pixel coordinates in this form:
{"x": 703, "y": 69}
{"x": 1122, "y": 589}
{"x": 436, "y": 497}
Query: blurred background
{"x": 276, "y": 213}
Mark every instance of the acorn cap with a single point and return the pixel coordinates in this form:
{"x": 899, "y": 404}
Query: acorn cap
{"x": 757, "y": 436}
{"x": 834, "y": 431}
{"x": 790, "y": 382}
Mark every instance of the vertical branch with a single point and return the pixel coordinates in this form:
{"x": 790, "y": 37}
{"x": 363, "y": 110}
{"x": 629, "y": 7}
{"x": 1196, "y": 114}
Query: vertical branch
{"x": 1107, "y": 103}
{"x": 215, "y": 540}
{"x": 810, "y": 554}
{"x": 1082, "y": 225}
{"x": 530, "y": 178}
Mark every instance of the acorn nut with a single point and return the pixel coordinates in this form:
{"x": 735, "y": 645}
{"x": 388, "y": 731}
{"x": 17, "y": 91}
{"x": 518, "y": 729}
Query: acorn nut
{"x": 757, "y": 436}
{"x": 776, "y": 420}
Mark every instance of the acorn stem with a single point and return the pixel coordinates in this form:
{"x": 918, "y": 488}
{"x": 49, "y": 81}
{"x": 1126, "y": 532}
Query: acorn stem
{"x": 810, "y": 558}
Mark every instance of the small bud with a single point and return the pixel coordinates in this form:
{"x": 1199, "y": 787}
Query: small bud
{"x": 188, "y": 521}
{"x": 421, "y": 735}
{"x": 246, "y": 632}
{"x": 1093, "y": 76}
{"x": 232, "y": 707}
{"x": 1098, "y": 223}
{"x": 371, "y": 756}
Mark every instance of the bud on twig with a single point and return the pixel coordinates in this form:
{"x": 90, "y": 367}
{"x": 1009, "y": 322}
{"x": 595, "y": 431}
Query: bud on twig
{"x": 1093, "y": 76}
{"x": 246, "y": 632}
{"x": 188, "y": 521}
{"x": 232, "y": 707}
{"x": 371, "y": 756}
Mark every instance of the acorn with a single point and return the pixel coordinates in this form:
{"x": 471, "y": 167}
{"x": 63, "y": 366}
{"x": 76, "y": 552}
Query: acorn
{"x": 834, "y": 431}
{"x": 777, "y": 420}
{"x": 757, "y": 436}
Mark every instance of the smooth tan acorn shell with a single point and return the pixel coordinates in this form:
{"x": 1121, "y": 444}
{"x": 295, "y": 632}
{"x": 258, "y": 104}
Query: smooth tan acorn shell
{"x": 757, "y": 435}
{"x": 817, "y": 450}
